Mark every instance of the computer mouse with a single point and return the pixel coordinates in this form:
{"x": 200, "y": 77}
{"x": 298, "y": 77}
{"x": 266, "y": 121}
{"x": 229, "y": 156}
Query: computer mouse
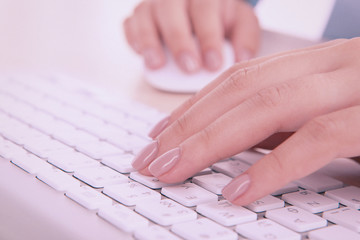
{"x": 171, "y": 78}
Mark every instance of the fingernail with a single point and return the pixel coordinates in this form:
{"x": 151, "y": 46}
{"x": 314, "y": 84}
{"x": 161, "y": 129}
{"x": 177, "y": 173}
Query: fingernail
{"x": 188, "y": 62}
{"x": 212, "y": 59}
{"x": 244, "y": 55}
{"x": 152, "y": 58}
{"x": 236, "y": 188}
{"x": 146, "y": 155}
{"x": 165, "y": 162}
{"x": 159, "y": 127}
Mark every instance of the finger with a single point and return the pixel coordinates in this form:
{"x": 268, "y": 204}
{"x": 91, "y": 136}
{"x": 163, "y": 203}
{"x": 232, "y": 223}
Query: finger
{"x": 269, "y": 111}
{"x": 207, "y": 23}
{"x": 232, "y": 73}
{"x": 245, "y": 35}
{"x": 175, "y": 27}
{"x": 313, "y": 146}
{"x": 145, "y": 35}
{"x": 129, "y": 30}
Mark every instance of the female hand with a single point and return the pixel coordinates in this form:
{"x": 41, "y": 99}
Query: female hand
{"x": 175, "y": 22}
{"x": 312, "y": 92}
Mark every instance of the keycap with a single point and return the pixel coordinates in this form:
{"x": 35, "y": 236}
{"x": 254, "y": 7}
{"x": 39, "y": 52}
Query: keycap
{"x": 165, "y": 212}
{"x": 100, "y": 177}
{"x": 9, "y": 149}
{"x": 46, "y": 147}
{"x": 189, "y": 194}
{"x": 266, "y": 203}
{"x": 311, "y": 201}
{"x": 318, "y": 182}
{"x": 123, "y": 218}
{"x": 226, "y": 213}
{"x": 249, "y": 157}
{"x": 98, "y": 149}
{"x": 203, "y": 229}
{"x": 88, "y": 197}
{"x": 296, "y": 218}
{"x": 131, "y": 193}
{"x": 212, "y": 182}
{"x": 70, "y": 161}
{"x": 149, "y": 181}
{"x": 58, "y": 180}
{"x": 290, "y": 187}
{"x": 266, "y": 229}
{"x": 73, "y": 137}
{"x": 203, "y": 172}
{"x": 30, "y": 163}
{"x": 333, "y": 232}
{"x": 231, "y": 168}
{"x": 120, "y": 162}
{"x": 348, "y": 196}
{"x": 154, "y": 232}
{"x": 347, "y": 217}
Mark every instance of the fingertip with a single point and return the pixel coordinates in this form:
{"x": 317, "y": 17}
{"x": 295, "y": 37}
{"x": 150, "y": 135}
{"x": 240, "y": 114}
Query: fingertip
{"x": 236, "y": 188}
{"x": 153, "y": 58}
{"x": 212, "y": 59}
{"x": 243, "y": 55}
{"x": 188, "y": 62}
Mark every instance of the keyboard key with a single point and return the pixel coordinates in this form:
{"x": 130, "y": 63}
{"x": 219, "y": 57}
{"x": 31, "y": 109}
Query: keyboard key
{"x": 58, "y": 180}
{"x": 154, "y": 232}
{"x": 348, "y": 196}
{"x": 203, "y": 229}
{"x": 151, "y": 182}
{"x": 30, "y": 163}
{"x": 165, "y": 212}
{"x": 98, "y": 149}
{"x": 296, "y": 218}
{"x": 311, "y": 201}
{"x": 226, "y": 213}
{"x": 46, "y": 147}
{"x": 73, "y": 137}
{"x": 318, "y": 182}
{"x": 189, "y": 194}
{"x": 231, "y": 168}
{"x": 347, "y": 217}
{"x": 333, "y": 232}
{"x": 290, "y": 187}
{"x": 266, "y": 229}
{"x": 123, "y": 218}
{"x": 70, "y": 161}
{"x": 249, "y": 157}
{"x": 100, "y": 177}
{"x": 266, "y": 203}
{"x": 203, "y": 172}
{"x": 9, "y": 149}
{"x": 212, "y": 182}
{"x": 120, "y": 163}
{"x": 88, "y": 197}
{"x": 131, "y": 193}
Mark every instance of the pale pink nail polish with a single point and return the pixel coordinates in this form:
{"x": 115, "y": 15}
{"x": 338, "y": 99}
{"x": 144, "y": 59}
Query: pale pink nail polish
{"x": 212, "y": 59}
{"x": 244, "y": 55}
{"x": 146, "y": 155}
{"x": 159, "y": 127}
{"x": 188, "y": 62}
{"x": 236, "y": 188}
{"x": 165, "y": 162}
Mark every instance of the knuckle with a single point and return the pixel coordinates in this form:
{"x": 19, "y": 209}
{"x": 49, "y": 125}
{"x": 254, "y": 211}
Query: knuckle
{"x": 273, "y": 96}
{"x": 323, "y": 129}
{"x": 181, "y": 126}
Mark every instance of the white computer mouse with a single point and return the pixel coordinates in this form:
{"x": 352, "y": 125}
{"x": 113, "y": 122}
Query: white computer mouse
{"x": 171, "y": 78}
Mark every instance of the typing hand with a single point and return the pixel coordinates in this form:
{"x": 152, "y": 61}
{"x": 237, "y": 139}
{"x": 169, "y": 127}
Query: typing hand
{"x": 312, "y": 92}
{"x": 174, "y": 23}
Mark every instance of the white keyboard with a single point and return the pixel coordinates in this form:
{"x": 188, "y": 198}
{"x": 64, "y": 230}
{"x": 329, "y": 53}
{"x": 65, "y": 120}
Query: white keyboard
{"x": 81, "y": 142}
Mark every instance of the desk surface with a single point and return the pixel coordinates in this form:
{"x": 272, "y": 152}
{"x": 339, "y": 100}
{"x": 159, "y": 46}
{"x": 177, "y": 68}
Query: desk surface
{"x": 84, "y": 39}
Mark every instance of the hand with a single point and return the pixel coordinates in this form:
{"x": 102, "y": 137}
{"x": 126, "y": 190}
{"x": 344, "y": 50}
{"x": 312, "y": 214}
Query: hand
{"x": 174, "y": 23}
{"x": 312, "y": 93}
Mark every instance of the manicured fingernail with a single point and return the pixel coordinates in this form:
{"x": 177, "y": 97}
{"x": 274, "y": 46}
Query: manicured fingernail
{"x": 152, "y": 58}
{"x": 165, "y": 162}
{"x": 146, "y": 155}
{"x": 159, "y": 127}
{"x": 236, "y": 188}
{"x": 212, "y": 59}
{"x": 244, "y": 55}
{"x": 188, "y": 62}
